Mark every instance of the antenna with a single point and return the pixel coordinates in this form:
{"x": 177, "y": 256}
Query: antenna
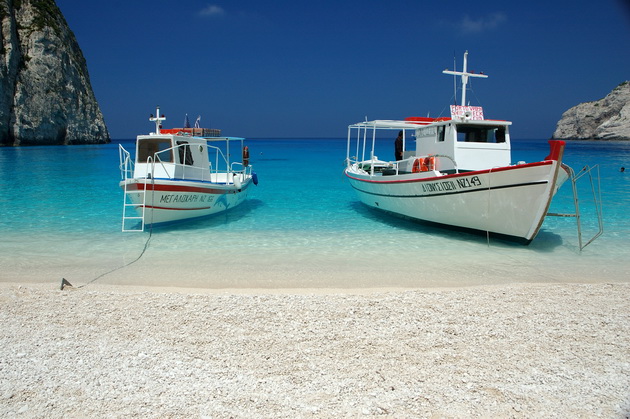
{"x": 454, "y": 79}
{"x": 464, "y": 75}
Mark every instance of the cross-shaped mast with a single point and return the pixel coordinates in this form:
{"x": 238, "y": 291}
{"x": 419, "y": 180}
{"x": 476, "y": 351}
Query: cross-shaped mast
{"x": 464, "y": 75}
{"x": 158, "y": 120}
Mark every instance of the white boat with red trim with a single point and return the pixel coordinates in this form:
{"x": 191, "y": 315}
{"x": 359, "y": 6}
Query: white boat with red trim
{"x": 456, "y": 172}
{"x": 180, "y": 174}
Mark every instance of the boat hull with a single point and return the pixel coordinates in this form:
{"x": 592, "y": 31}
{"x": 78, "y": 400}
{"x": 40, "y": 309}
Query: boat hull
{"x": 165, "y": 200}
{"x": 510, "y": 201}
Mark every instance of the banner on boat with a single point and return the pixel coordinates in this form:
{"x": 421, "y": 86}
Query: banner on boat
{"x": 472, "y": 113}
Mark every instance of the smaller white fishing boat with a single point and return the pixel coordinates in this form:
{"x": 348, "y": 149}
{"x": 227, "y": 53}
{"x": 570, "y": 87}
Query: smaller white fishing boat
{"x": 455, "y": 171}
{"x": 182, "y": 173}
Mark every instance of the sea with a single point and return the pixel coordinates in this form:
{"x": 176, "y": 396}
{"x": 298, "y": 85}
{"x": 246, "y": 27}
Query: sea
{"x": 302, "y": 227}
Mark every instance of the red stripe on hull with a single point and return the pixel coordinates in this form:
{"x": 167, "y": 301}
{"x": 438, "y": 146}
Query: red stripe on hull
{"x": 178, "y": 188}
{"x": 178, "y": 209}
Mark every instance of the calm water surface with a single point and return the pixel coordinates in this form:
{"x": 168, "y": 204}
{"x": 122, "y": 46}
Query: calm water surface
{"x": 302, "y": 226}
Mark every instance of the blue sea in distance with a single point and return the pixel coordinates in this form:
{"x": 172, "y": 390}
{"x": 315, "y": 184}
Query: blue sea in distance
{"x": 302, "y": 227}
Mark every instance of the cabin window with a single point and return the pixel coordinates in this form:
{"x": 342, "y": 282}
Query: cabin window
{"x": 440, "y": 133}
{"x": 149, "y": 147}
{"x": 480, "y": 134}
{"x": 185, "y": 155}
{"x": 499, "y": 135}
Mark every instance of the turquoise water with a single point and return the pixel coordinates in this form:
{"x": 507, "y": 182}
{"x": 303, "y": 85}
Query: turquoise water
{"x": 301, "y": 227}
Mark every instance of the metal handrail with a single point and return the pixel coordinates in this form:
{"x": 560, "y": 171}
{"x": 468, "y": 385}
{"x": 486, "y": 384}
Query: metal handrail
{"x": 597, "y": 201}
{"x": 396, "y": 164}
{"x": 156, "y": 159}
{"x": 219, "y": 153}
{"x": 126, "y": 164}
{"x": 246, "y": 170}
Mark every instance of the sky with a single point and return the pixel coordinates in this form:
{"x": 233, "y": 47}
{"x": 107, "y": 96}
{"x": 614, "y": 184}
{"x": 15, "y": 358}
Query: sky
{"x": 289, "y": 69}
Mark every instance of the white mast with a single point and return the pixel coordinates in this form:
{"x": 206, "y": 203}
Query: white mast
{"x": 158, "y": 120}
{"x": 464, "y": 75}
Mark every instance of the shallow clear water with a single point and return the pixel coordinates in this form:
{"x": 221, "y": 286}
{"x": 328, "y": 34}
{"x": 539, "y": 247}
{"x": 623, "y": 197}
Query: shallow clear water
{"x": 301, "y": 227}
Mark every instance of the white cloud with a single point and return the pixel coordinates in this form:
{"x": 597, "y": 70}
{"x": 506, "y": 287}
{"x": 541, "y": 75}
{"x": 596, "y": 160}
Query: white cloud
{"x": 212, "y": 10}
{"x": 482, "y": 24}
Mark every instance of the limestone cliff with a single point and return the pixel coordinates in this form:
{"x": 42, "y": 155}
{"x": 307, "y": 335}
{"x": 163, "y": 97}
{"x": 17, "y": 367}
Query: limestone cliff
{"x": 604, "y": 119}
{"x": 45, "y": 92}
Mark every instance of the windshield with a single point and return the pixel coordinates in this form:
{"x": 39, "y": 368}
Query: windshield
{"x": 480, "y": 133}
{"x": 148, "y": 147}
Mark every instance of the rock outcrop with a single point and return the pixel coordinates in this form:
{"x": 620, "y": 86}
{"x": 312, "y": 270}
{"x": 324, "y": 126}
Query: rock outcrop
{"x": 45, "y": 93}
{"x": 604, "y": 119}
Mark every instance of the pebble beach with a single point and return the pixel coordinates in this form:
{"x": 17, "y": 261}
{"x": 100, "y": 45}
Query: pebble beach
{"x": 510, "y": 350}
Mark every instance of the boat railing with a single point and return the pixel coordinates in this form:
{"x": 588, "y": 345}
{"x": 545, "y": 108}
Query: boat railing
{"x": 246, "y": 170}
{"x": 192, "y": 172}
{"x": 126, "y": 163}
{"x": 170, "y": 169}
{"x": 219, "y": 157}
{"x": 400, "y": 166}
{"x": 157, "y": 161}
{"x": 411, "y": 160}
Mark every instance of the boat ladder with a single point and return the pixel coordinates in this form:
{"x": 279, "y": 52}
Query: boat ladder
{"x": 131, "y": 221}
{"x": 130, "y": 216}
{"x": 597, "y": 202}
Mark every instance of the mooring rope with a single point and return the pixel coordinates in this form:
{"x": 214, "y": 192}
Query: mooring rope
{"x": 65, "y": 282}
{"x": 146, "y": 245}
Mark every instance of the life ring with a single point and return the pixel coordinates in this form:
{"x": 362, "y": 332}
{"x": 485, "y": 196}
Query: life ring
{"x": 245, "y": 156}
{"x": 425, "y": 164}
{"x": 429, "y": 164}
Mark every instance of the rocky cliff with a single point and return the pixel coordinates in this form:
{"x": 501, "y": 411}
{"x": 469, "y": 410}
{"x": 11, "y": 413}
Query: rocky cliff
{"x": 604, "y": 119}
{"x": 45, "y": 92}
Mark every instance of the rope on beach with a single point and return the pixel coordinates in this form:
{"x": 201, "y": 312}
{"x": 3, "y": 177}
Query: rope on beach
{"x": 65, "y": 283}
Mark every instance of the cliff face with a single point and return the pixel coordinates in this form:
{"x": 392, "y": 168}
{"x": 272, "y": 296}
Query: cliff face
{"x": 45, "y": 92}
{"x": 604, "y": 119}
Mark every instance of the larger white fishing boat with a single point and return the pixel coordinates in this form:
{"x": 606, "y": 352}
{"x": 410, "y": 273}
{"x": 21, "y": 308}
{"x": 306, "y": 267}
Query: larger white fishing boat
{"x": 458, "y": 173}
{"x": 180, "y": 174}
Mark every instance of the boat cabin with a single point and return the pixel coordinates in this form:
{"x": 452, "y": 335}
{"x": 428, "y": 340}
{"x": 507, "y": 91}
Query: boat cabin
{"x": 457, "y": 143}
{"x": 182, "y": 156}
{"x": 471, "y": 145}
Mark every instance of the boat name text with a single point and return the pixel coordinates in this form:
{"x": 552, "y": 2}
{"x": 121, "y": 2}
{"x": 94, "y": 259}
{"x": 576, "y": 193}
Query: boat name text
{"x": 449, "y": 185}
{"x": 169, "y": 199}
